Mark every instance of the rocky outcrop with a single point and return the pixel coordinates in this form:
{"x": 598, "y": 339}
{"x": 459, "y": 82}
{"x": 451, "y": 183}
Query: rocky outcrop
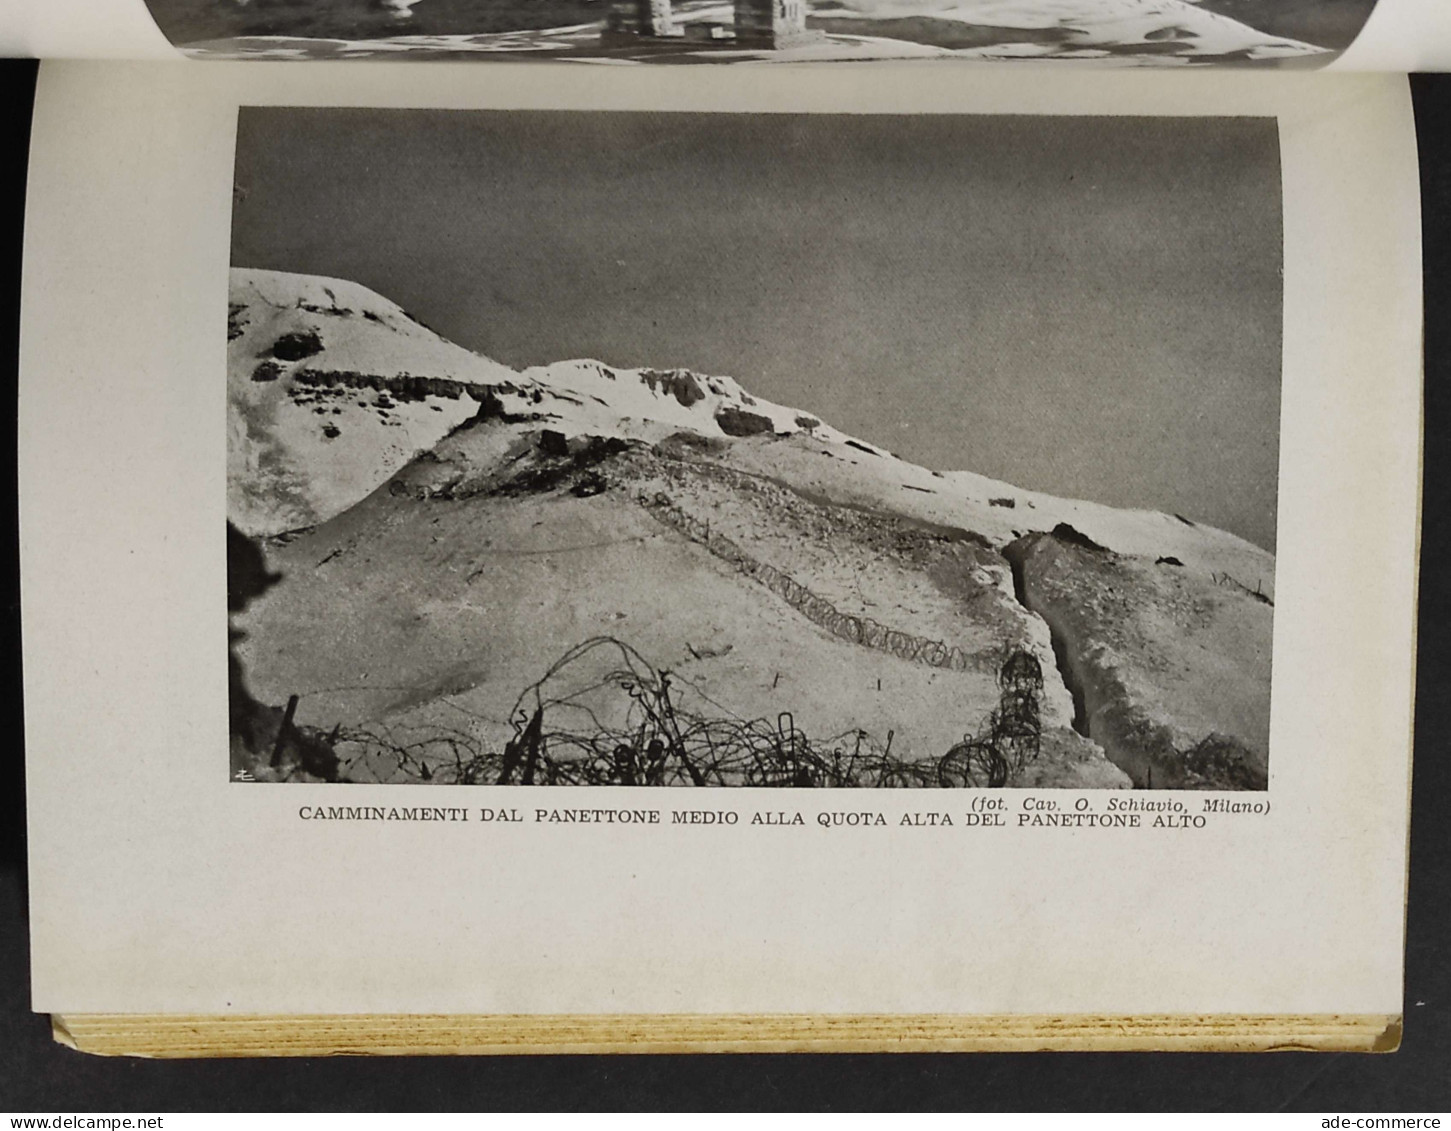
{"x": 739, "y": 422}
{"x": 403, "y": 386}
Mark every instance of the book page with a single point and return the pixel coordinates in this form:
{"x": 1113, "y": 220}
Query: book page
{"x": 1404, "y": 34}
{"x": 938, "y": 546}
{"x": 82, "y": 29}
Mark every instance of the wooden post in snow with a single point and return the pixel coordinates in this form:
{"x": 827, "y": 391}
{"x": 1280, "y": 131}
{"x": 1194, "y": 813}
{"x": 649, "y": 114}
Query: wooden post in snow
{"x": 282, "y": 731}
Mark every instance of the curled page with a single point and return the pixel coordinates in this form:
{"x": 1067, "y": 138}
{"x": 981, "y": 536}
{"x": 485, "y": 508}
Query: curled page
{"x": 82, "y": 29}
{"x": 1403, "y": 35}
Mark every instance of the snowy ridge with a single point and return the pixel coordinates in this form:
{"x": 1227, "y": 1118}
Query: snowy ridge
{"x": 332, "y": 388}
{"x": 585, "y": 394}
{"x": 366, "y": 332}
{"x": 376, "y": 389}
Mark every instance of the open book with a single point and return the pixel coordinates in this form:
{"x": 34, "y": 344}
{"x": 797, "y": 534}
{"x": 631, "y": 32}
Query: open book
{"x": 903, "y": 555}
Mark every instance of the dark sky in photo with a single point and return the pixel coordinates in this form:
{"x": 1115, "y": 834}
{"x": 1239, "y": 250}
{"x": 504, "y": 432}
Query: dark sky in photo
{"x": 1085, "y": 306}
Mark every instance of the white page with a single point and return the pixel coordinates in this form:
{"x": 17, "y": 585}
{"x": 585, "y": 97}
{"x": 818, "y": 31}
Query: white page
{"x": 82, "y": 29}
{"x": 1402, "y": 35}
{"x": 159, "y": 885}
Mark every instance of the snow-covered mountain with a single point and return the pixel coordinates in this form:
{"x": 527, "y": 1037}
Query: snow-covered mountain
{"x": 307, "y": 434}
{"x": 332, "y": 388}
{"x": 446, "y": 528}
{"x": 368, "y": 369}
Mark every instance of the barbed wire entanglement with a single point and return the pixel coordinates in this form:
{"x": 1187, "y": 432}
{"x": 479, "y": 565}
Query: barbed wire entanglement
{"x": 1012, "y": 734}
{"x": 602, "y": 714}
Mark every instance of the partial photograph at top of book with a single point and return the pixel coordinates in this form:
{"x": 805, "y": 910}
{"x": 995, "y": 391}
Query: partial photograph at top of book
{"x": 1274, "y": 33}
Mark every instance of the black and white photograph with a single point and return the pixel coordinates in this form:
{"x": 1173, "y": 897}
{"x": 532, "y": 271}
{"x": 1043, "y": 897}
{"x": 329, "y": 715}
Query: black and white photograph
{"x": 571, "y": 448}
{"x": 1277, "y": 33}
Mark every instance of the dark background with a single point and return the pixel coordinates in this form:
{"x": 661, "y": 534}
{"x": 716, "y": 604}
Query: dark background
{"x": 39, "y": 1075}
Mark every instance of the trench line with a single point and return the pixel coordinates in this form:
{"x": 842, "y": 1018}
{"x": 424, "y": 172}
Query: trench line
{"x": 863, "y": 631}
